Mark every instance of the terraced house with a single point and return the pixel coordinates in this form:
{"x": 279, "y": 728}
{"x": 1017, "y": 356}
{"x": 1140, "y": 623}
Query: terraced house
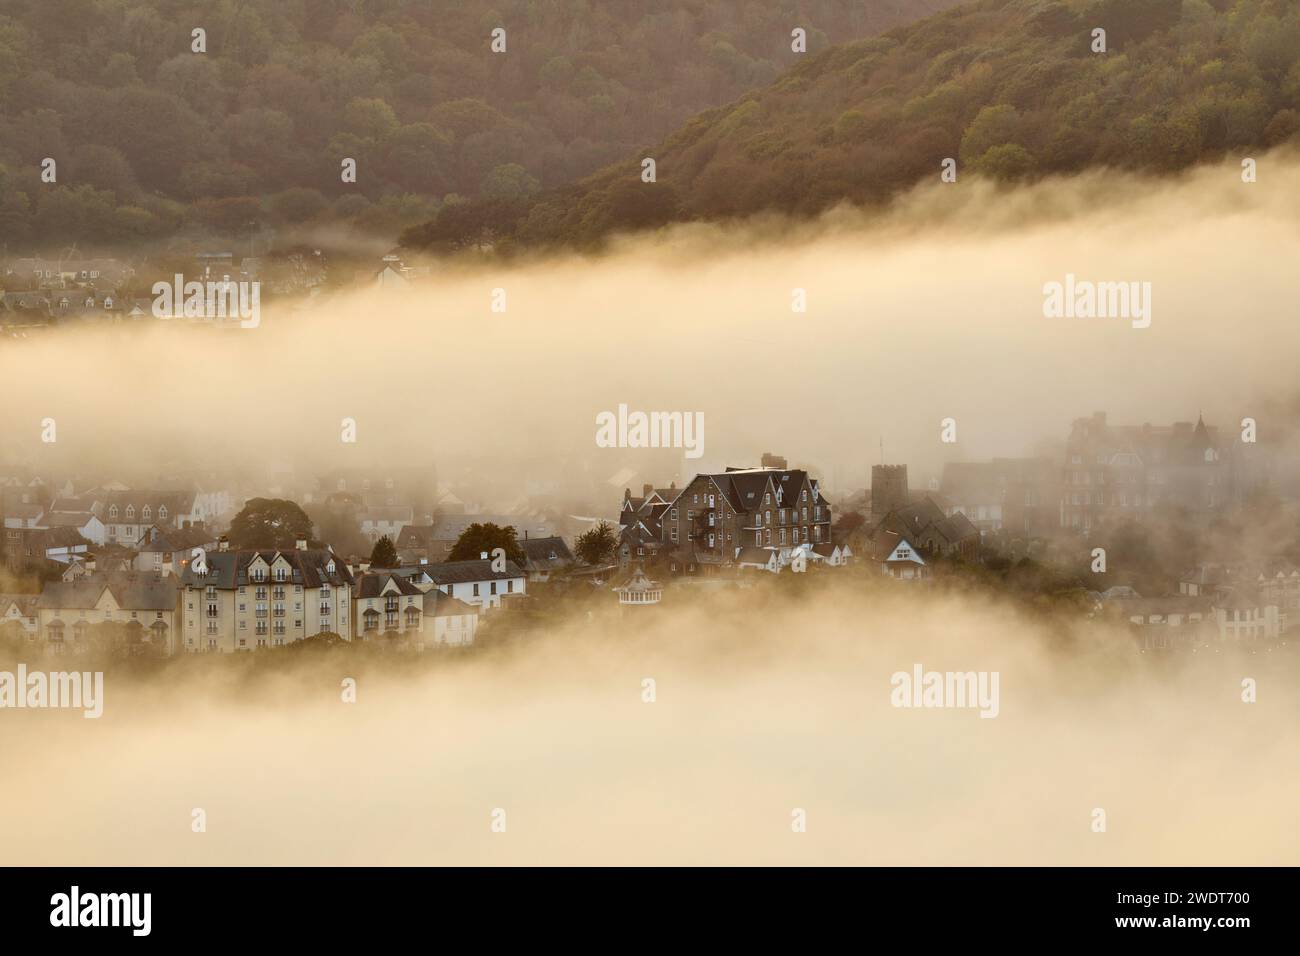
{"x": 251, "y": 599}
{"x": 388, "y": 605}
{"x": 142, "y": 606}
{"x": 127, "y": 515}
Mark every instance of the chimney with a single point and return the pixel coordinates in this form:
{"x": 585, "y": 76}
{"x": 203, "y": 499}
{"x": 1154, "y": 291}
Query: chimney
{"x": 301, "y": 544}
{"x": 646, "y": 489}
{"x": 525, "y": 534}
{"x": 223, "y": 543}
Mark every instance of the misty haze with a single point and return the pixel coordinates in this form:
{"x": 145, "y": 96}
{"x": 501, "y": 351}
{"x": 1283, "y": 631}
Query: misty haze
{"x": 696, "y": 438}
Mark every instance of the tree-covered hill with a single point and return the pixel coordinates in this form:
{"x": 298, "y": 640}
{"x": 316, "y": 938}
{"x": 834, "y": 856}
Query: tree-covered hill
{"x": 152, "y": 139}
{"x": 1010, "y": 88}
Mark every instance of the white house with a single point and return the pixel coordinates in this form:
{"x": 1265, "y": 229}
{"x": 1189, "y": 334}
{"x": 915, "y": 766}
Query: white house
{"x": 86, "y": 523}
{"x": 448, "y": 621}
{"x": 762, "y": 559}
{"x": 897, "y": 557}
{"x": 834, "y": 555}
{"x": 475, "y": 583}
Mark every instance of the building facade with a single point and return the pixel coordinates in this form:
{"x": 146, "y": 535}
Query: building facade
{"x": 243, "y": 600}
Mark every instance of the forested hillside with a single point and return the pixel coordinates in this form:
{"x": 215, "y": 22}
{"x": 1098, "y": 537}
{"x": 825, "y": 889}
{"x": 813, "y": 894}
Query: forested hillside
{"x": 1010, "y": 88}
{"x": 151, "y": 138}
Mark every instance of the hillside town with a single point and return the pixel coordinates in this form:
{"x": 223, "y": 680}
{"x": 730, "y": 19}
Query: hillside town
{"x": 403, "y": 559}
{"x": 42, "y": 293}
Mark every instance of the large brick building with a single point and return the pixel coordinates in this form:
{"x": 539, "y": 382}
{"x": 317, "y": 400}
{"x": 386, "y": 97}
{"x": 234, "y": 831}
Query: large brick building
{"x": 708, "y": 522}
{"x": 1115, "y": 472}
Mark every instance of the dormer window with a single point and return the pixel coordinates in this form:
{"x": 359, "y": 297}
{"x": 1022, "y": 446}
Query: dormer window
{"x": 162, "y": 512}
{"x": 112, "y": 511}
{"x": 130, "y": 512}
{"x": 329, "y": 568}
{"x": 146, "y": 513}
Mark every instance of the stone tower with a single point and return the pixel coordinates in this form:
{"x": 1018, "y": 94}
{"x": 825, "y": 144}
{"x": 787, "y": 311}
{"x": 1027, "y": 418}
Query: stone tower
{"x": 888, "y": 489}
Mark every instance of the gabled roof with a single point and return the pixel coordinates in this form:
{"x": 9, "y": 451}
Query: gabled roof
{"x": 131, "y": 592}
{"x": 437, "y": 604}
{"x": 373, "y": 584}
{"x": 543, "y": 553}
{"x": 753, "y": 555}
{"x": 462, "y": 572}
{"x": 229, "y": 569}
{"x": 26, "y": 604}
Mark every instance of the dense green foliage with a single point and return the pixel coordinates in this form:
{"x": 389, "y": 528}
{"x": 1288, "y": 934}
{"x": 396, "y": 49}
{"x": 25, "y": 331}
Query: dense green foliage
{"x": 479, "y": 539}
{"x": 384, "y": 555}
{"x": 152, "y": 139}
{"x": 1010, "y": 88}
{"x": 269, "y": 523}
{"x": 597, "y": 545}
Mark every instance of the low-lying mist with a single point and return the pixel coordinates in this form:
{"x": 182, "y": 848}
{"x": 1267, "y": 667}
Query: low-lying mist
{"x": 766, "y": 701}
{"x": 929, "y": 310}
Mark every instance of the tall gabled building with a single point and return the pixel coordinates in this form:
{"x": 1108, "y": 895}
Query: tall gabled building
{"x": 1115, "y": 472}
{"x": 251, "y": 599}
{"x": 707, "y": 523}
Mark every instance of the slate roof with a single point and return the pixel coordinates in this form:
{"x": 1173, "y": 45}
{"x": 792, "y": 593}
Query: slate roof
{"x": 373, "y": 583}
{"x": 132, "y": 592}
{"x": 461, "y": 572}
{"x": 437, "y": 604}
{"x": 26, "y": 603}
{"x": 229, "y": 569}
{"x": 69, "y": 519}
{"x": 543, "y": 554}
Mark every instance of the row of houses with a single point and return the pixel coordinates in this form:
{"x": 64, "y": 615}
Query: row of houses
{"x": 1214, "y": 602}
{"x": 240, "y": 600}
